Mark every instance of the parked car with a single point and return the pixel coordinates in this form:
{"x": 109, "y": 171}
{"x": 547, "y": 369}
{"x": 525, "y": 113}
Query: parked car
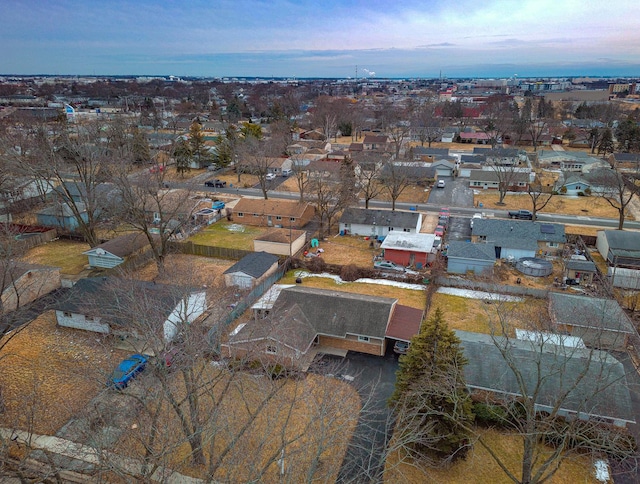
{"x": 126, "y": 371}
{"x": 439, "y": 231}
{"x": 440, "y": 184}
{"x": 444, "y": 212}
{"x": 287, "y": 172}
{"x": 521, "y": 214}
{"x": 401, "y": 347}
{"x": 387, "y": 265}
{"x": 215, "y": 183}
{"x": 217, "y": 205}
{"x": 270, "y": 176}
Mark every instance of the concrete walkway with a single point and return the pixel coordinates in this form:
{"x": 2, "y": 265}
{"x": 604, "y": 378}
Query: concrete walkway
{"x": 91, "y": 455}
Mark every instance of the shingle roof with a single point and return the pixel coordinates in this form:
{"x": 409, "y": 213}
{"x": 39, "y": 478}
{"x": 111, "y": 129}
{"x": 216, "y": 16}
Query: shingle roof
{"x": 363, "y": 216}
{"x": 492, "y": 176}
{"x": 338, "y": 313}
{"x": 405, "y": 323}
{"x": 623, "y": 243}
{"x": 466, "y": 250}
{"x": 406, "y": 241}
{"x": 517, "y": 233}
{"x": 282, "y": 208}
{"x": 595, "y": 381}
{"x": 581, "y": 265}
{"x": 122, "y": 246}
{"x": 588, "y": 312}
{"x": 254, "y": 264}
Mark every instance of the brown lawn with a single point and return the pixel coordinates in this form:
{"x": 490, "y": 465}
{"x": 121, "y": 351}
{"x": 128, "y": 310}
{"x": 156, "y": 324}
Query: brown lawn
{"x": 479, "y": 466}
{"x": 406, "y": 297}
{"x": 49, "y": 373}
{"x": 348, "y": 250}
{"x": 316, "y": 415}
{"x": 188, "y": 269}
{"x": 587, "y": 206}
{"x": 65, "y": 254}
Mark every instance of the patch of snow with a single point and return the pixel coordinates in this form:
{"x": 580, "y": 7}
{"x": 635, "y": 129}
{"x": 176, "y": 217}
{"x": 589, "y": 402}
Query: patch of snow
{"x": 546, "y": 337}
{"x": 237, "y": 329}
{"x": 470, "y": 294}
{"x": 602, "y": 471}
{"x": 364, "y": 280}
{"x": 236, "y": 228}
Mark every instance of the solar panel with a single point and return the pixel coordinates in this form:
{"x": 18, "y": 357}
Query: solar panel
{"x": 547, "y": 229}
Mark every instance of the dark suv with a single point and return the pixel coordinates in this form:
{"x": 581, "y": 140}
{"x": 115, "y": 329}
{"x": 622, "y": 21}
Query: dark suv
{"x": 215, "y": 183}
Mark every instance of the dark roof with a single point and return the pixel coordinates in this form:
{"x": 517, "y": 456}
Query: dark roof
{"x": 479, "y": 159}
{"x": 497, "y": 152}
{"x": 595, "y": 381}
{"x": 422, "y": 150}
{"x": 113, "y": 299}
{"x": 338, "y": 313}
{"x": 466, "y": 250}
{"x": 122, "y": 246}
{"x": 492, "y": 176}
{"x": 588, "y": 312}
{"x": 254, "y": 264}
{"x": 623, "y": 243}
{"x": 363, "y": 216}
{"x": 405, "y": 323}
{"x": 581, "y": 265}
{"x": 518, "y": 233}
{"x": 632, "y": 157}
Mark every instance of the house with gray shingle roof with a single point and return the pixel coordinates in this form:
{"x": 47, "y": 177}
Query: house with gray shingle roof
{"x": 514, "y": 239}
{"x": 304, "y": 320}
{"x": 463, "y": 257}
{"x": 600, "y": 322}
{"x": 620, "y": 248}
{"x": 378, "y": 223}
{"x": 115, "y": 251}
{"x": 577, "y": 382}
{"x": 251, "y": 269}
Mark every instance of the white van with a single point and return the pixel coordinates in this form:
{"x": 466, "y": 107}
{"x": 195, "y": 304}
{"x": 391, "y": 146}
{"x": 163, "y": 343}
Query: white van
{"x": 287, "y": 172}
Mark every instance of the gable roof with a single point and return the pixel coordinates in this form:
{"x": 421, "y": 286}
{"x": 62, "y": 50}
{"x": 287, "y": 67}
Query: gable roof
{"x": 492, "y": 176}
{"x": 121, "y": 246}
{"x": 588, "y": 312}
{"x": 283, "y": 208}
{"x": 388, "y": 218}
{"x": 518, "y": 233}
{"x": 466, "y": 250}
{"x": 409, "y": 242}
{"x": 424, "y": 151}
{"x": 338, "y": 313}
{"x": 254, "y": 264}
{"x": 623, "y": 243}
{"x": 405, "y": 323}
{"x": 595, "y": 381}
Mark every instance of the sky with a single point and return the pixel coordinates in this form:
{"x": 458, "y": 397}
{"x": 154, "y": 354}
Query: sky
{"x": 321, "y": 38}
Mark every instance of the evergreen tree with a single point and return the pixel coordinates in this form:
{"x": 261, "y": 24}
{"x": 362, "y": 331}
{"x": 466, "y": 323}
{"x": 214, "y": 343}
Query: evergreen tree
{"x": 182, "y": 155}
{"x": 431, "y": 402}
{"x": 606, "y": 143}
{"x": 199, "y": 152}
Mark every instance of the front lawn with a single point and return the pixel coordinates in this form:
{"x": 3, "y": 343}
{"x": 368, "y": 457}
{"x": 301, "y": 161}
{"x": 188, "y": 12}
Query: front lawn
{"x": 65, "y": 254}
{"x": 228, "y": 234}
{"x": 586, "y": 206}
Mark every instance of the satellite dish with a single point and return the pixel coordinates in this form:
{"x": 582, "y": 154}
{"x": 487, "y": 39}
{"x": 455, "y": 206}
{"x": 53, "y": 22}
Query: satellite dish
{"x": 100, "y": 251}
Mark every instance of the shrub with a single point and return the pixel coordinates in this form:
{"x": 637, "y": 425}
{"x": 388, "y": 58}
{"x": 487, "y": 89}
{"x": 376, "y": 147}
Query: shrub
{"x": 490, "y": 415}
{"x": 350, "y": 273}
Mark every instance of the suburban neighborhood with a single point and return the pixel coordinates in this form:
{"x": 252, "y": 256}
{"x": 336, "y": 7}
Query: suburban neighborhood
{"x": 245, "y": 280}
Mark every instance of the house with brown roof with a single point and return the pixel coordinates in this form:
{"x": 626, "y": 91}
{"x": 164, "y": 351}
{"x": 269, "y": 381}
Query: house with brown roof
{"x": 376, "y": 142}
{"x": 273, "y": 213}
{"x": 22, "y": 283}
{"x": 304, "y": 321}
{"x": 115, "y": 251}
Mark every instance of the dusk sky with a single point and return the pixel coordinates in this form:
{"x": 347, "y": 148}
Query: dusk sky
{"x": 321, "y": 38}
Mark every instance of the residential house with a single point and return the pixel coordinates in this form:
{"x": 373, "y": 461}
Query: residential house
{"x": 60, "y": 215}
{"x": 629, "y": 161}
{"x": 601, "y": 323}
{"x": 575, "y": 161}
{"x": 572, "y": 184}
{"x": 621, "y": 250}
{"x": 22, "y": 283}
{"x": 489, "y": 179}
{"x": 474, "y": 137}
{"x": 422, "y": 153}
{"x": 579, "y": 269}
{"x": 502, "y": 156}
{"x": 273, "y": 213}
{"x": 115, "y": 251}
{"x": 251, "y": 270}
{"x": 515, "y": 239}
{"x": 378, "y": 223}
{"x": 303, "y": 321}
{"x": 582, "y": 383}
{"x": 372, "y": 142}
{"x": 464, "y": 257}
{"x": 130, "y": 309}
{"x": 283, "y": 241}
{"x": 443, "y": 168}
{"x": 409, "y": 249}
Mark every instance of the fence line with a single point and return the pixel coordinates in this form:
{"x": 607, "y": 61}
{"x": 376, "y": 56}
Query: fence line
{"x": 189, "y": 247}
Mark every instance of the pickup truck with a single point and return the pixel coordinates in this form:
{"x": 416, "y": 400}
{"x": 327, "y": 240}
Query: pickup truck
{"x": 521, "y": 214}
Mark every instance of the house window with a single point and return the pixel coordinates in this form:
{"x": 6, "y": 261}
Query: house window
{"x": 278, "y": 217}
{"x": 364, "y": 339}
{"x": 406, "y": 230}
{"x": 552, "y": 244}
{"x": 292, "y": 219}
{"x": 67, "y": 315}
{"x": 240, "y": 214}
{"x": 272, "y": 350}
{"x": 482, "y": 238}
{"x": 521, "y": 184}
{"x": 390, "y": 229}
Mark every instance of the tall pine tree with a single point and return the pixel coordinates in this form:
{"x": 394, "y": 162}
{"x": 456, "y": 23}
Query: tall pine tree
{"x": 431, "y": 402}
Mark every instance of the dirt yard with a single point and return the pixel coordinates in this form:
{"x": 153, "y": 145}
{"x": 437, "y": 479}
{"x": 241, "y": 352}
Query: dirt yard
{"x": 346, "y": 250}
{"x": 48, "y": 374}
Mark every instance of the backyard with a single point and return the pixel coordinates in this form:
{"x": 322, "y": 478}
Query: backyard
{"x": 65, "y": 254}
{"x": 228, "y": 234}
